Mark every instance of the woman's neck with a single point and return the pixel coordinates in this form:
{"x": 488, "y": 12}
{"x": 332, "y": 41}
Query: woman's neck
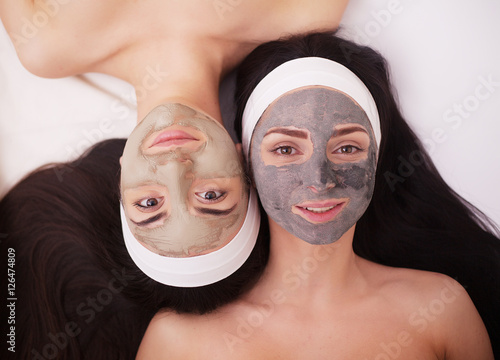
{"x": 306, "y": 273}
{"x": 179, "y": 60}
{"x": 174, "y": 71}
{"x": 159, "y": 84}
{"x": 176, "y": 59}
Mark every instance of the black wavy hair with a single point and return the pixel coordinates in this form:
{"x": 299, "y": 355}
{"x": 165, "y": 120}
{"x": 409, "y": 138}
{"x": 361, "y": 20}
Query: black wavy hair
{"x": 415, "y": 220}
{"x": 80, "y": 295}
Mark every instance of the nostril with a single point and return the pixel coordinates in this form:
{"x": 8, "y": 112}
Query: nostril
{"x": 184, "y": 160}
{"x": 313, "y": 189}
{"x": 316, "y": 190}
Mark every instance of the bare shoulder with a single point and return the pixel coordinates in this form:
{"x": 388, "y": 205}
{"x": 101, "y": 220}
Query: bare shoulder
{"x": 437, "y": 307}
{"x": 170, "y": 335}
{"x": 165, "y": 337}
{"x": 416, "y": 285}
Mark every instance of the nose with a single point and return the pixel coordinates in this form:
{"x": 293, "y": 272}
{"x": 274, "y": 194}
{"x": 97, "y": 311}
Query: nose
{"x": 319, "y": 189}
{"x": 177, "y": 175}
{"x": 180, "y": 165}
{"x": 321, "y": 177}
{"x": 174, "y": 157}
{"x": 167, "y": 167}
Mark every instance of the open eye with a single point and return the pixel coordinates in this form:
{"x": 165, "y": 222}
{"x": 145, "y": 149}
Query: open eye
{"x": 347, "y": 149}
{"x": 347, "y": 152}
{"x": 149, "y": 203}
{"x": 286, "y": 146}
{"x": 210, "y": 195}
{"x": 285, "y": 150}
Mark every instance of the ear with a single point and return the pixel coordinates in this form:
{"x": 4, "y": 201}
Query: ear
{"x": 121, "y": 160}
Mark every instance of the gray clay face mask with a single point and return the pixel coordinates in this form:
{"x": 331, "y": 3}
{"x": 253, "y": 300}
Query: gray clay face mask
{"x": 181, "y": 183}
{"x": 313, "y": 157}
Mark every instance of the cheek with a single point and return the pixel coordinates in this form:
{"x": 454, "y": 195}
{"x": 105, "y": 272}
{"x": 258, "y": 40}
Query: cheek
{"x": 355, "y": 177}
{"x": 357, "y": 183}
{"x": 135, "y": 170}
{"x": 275, "y": 185}
{"x": 359, "y": 175}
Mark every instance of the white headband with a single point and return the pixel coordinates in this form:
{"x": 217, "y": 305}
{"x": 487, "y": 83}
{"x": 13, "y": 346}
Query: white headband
{"x": 202, "y": 269}
{"x": 302, "y": 72}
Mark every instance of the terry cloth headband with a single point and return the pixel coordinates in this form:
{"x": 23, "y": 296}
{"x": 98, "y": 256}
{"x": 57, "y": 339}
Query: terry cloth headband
{"x": 302, "y": 72}
{"x": 202, "y": 269}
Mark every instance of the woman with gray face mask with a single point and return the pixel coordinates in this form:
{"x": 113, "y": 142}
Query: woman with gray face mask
{"x": 344, "y": 279}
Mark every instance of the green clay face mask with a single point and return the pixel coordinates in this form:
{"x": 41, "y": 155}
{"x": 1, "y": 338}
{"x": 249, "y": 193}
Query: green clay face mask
{"x": 182, "y": 183}
{"x": 313, "y": 158}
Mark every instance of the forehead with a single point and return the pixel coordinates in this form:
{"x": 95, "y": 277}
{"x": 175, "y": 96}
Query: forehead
{"x": 313, "y": 106}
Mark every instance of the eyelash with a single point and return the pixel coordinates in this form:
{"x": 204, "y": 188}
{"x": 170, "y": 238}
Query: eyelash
{"x": 218, "y": 198}
{"x": 275, "y": 150}
{"x": 139, "y": 206}
{"x": 356, "y": 148}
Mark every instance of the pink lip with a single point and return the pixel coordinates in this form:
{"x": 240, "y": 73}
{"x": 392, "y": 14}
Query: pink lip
{"x": 322, "y": 217}
{"x": 173, "y": 137}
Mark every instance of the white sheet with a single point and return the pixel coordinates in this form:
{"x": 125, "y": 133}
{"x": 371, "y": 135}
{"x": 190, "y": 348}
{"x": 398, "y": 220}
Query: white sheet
{"x": 50, "y": 120}
{"x": 440, "y": 52}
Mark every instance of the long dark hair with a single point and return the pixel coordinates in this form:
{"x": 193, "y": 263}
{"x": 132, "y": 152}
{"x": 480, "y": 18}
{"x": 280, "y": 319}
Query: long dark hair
{"x": 79, "y": 294}
{"x": 415, "y": 220}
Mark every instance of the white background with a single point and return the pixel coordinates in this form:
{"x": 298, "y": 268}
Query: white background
{"x": 437, "y": 50}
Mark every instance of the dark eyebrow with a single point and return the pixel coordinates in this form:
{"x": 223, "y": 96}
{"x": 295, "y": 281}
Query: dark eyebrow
{"x": 150, "y": 220}
{"x": 295, "y": 133}
{"x": 349, "y": 130}
{"x": 209, "y": 211}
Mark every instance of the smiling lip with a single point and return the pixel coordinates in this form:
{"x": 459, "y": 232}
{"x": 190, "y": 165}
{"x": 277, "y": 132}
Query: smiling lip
{"x": 173, "y": 137}
{"x": 319, "y": 212}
